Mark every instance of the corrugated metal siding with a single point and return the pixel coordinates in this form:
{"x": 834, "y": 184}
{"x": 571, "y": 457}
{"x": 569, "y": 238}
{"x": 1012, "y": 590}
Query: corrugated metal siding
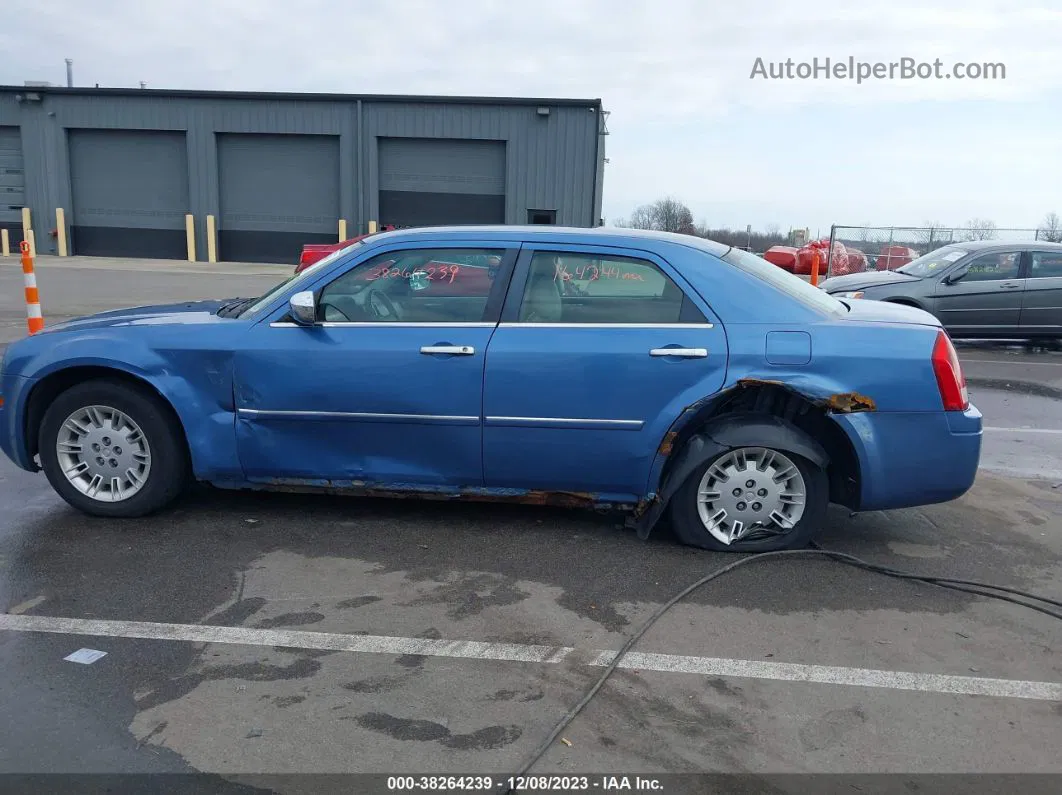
{"x": 551, "y": 161}
{"x": 12, "y": 176}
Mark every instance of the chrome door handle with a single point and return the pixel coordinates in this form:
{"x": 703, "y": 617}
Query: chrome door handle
{"x": 453, "y": 350}
{"x": 1010, "y": 285}
{"x": 682, "y": 353}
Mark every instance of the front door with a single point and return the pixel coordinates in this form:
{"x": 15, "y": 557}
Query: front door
{"x": 1041, "y": 306}
{"x": 387, "y": 387}
{"x": 599, "y": 349}
{"x": 987, "y": 300}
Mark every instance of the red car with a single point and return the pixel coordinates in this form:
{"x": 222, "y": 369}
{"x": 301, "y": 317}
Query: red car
{"x": 313, "y": 252}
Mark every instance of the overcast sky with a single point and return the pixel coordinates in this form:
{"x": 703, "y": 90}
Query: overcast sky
{"x": 686, "y": 120}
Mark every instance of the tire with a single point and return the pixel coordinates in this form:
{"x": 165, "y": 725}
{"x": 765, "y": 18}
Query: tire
{"x": 157, "y": 456}
{"x": 691, "y": 529}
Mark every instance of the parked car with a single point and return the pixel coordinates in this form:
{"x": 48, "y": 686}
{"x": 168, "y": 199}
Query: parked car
{"x": 313, "y": 252}
{"x": 978, "y": 289}
{"x": 582, "y": 367}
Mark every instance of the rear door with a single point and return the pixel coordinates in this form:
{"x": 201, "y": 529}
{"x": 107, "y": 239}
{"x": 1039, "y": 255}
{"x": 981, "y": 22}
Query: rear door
{"x": 1041, "y": 306}
{"x": 599, "y": 349}
{"x": 987, "y": 300}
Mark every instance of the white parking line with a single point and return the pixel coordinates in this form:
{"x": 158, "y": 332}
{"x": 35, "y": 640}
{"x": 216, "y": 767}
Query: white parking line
{"x": 518, "y": 652}
{"x": 1004, "y": 361}
{"x": 1023, "y": 430}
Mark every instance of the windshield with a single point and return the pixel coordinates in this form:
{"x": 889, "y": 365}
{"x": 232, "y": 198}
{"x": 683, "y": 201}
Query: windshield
{"x": 933, "y": 261}
{"x": 791, "y": 285}
{"x": 298, "y": 278}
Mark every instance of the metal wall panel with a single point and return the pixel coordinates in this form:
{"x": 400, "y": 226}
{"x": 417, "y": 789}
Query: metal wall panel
{"x": 130, "y": 192}
{"x": 276, "y": 193}
{"x": 12, "y": 178}
{"x": 552, "y": 160}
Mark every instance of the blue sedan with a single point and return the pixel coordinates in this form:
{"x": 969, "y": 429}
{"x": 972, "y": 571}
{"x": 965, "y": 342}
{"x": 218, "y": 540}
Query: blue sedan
{"x": 655, "y": 373}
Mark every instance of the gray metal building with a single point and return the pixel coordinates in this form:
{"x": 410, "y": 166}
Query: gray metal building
{"x": 127, "y": 166}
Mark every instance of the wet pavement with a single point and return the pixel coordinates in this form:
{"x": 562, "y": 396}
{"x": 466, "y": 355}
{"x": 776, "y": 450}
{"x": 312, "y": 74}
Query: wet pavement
{"x": 543, "y": 592}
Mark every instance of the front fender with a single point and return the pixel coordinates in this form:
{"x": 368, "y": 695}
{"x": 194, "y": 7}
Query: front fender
{"x": 196, "y": 383}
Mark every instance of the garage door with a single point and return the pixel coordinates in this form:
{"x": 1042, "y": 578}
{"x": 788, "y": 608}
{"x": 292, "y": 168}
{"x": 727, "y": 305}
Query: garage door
{"x": 130, "y": 193}
{"x": 432, "y": 181}
{"x": 278, "y": 192}
{"x": 12, "y": 183}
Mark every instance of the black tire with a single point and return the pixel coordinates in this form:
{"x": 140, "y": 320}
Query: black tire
{"x": 169, "y": 472}
{"x": 690, "y": 530}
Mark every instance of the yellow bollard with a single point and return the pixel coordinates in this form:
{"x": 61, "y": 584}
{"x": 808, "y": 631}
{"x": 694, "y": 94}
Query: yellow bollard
{"x": 342, "y": 229}
{"x": 212, "y": 243}
{"x": 5, "y": 243}
{"x": 189, "y": 235}
{"x": 34, "y": 318}
{"x": 32, "y": 238}
{"x": 60, "y": 231}
{"x": 372, "y": 227}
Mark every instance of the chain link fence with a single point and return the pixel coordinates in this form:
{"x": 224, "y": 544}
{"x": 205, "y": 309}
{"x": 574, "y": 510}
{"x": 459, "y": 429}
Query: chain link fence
{"x": 858, "y": 248}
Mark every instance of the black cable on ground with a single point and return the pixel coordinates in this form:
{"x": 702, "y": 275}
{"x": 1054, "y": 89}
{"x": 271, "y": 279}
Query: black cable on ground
{"x": 966, "y": 586}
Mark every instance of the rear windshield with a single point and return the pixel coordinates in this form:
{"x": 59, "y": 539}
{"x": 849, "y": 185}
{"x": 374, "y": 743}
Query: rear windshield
{"x": 791, "y": 285}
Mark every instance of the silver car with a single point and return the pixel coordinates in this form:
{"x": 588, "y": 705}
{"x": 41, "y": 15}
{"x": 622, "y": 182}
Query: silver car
{"x": 978, "y": 289}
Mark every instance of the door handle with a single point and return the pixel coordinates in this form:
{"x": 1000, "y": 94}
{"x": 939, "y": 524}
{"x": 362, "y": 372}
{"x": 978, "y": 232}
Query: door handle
{"x": 1010, "y": 285}
{"x": 452, "y": 350}
{"x": 682, "y": 353}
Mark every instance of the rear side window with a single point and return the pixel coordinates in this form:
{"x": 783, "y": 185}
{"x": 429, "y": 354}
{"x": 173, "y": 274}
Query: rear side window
{"x": 587, "y": 288}
{"x": 1046, "y": 264}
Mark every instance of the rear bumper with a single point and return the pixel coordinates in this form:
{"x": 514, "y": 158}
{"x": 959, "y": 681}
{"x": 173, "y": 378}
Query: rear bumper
{"x": 908, "y": 459}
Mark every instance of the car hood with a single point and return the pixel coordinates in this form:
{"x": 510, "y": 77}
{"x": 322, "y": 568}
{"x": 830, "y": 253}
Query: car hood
{"x": 165, "y": 314}
{"x": 860, "y": 309}
{"x": 860, "y": 281}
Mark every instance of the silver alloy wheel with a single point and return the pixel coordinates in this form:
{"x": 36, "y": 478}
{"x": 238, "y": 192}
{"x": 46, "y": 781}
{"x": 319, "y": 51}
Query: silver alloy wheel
{"x": 103, "y": 453}
{"x": 751, "y": 491}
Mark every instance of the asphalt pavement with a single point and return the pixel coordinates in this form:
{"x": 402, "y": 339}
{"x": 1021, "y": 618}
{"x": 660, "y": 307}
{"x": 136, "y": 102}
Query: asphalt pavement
{"x": 250, "y": 634}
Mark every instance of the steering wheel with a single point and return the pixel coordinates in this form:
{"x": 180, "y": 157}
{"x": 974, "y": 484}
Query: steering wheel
{"x": 382, "y": 307}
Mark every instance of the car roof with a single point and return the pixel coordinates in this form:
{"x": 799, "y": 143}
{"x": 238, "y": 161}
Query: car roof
{"x": 1009, "y": 245}
{"x": 598, "y": 235}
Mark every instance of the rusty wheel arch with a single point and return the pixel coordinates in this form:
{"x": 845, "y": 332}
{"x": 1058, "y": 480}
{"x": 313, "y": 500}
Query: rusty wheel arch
{"x": 687, "y": 446}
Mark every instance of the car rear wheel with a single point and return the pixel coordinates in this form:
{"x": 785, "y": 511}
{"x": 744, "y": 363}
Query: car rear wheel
{"x": 751, "y": 499}
{"x": 110, "y": 449}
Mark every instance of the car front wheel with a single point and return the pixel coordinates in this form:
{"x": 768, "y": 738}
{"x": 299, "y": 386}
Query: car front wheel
{"x": 111, "y": 449}
{"x": 751, "y": 499}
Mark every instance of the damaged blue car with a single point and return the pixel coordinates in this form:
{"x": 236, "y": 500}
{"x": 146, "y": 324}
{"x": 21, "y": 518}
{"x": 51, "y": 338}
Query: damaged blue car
{"x": 656, "y": 373}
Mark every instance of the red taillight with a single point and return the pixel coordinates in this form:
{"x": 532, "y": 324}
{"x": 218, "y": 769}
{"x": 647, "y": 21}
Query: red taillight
{"x": 950, "y": 380}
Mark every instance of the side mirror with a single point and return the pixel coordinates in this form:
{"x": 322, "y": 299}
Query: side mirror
{"x": 303, "y": 308}
{"x": 957, "y": 274}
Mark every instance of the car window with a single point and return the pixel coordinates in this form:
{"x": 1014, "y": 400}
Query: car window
{"x": 934, "y": 261}
{"x": 1046, "y": 264}
{"x": 413, "y": 286}
{"x": 994, "y": 266}
{"x": 791, "y": 285}
{"x": 563, "y": 287}
{"x": 303, "y": 277}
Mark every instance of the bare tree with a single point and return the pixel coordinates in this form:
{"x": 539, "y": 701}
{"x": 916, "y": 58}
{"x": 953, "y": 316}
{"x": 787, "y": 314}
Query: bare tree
{"x": 666, "y": 215}
{"x": 671, "y": 215}
{"x": 933, "y": 233}
{"x": 772, "y": 230}
{"x": 641, "y": 218}
{"x": 980, "y": 229}
{"x": 1051, "y": 228}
